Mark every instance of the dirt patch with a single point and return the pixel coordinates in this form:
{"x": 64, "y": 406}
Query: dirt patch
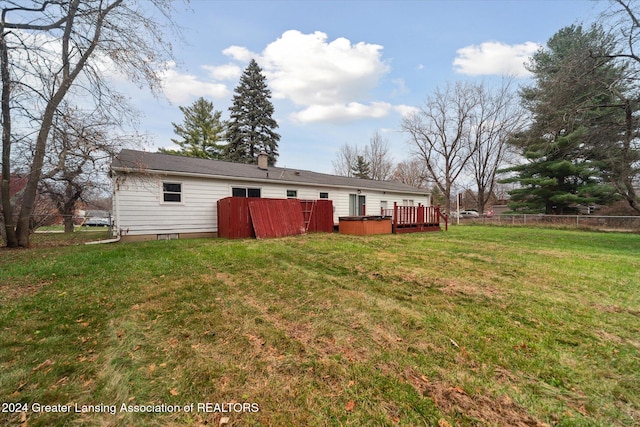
{"x": 454, "y": 287}
{"x": 615, "y": 339}
{"x": 616, "y": 309}
{"x": 500, "y": 411}
{"x": 305, "y": 334}
{"x": 16, "y": 291}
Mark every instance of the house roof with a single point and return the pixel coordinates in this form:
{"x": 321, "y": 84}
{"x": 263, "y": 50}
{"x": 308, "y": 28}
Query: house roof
{"x": 142, "y": 161}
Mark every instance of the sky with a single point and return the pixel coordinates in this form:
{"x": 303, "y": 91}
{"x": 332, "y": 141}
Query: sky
{"x": 339, "y": 71}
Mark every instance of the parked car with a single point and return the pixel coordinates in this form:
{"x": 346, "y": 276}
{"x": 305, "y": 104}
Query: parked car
{"x": 97, "y": 222}
{"x": 465, "y": 214}
{"x": 469, "y": 214}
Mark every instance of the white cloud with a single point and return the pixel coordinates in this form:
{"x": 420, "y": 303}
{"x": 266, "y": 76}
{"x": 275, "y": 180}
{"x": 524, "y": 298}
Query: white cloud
{"x": 326, "y": 80}
{"x": 323, "y": 76}
{"x": 224, "y": 72}
{"x": 405, "y": 110}
{"x": 309, "y": 70}
{"x": 180, "y": 88}
{"x": 494, "y": 58}
{"x": 400, "y": 87}
{"x": 239, "y": 53}
{"x": 342, "y": 112}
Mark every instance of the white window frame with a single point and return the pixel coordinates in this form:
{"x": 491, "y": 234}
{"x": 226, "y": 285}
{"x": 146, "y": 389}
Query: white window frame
{"x": 166, "y": 192}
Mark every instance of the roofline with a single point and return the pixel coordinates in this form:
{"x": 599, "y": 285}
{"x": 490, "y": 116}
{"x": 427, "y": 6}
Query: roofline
{"x": 262, "y": 180}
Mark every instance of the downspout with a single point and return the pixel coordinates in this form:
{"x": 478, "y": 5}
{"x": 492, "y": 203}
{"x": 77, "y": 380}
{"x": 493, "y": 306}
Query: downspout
{"x": 99, "y": 242}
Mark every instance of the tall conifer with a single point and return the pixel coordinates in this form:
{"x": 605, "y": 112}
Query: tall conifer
{"x": 201, "y": 132}
{"x": 251, "y": 126}
{"x": 573, "y": 107}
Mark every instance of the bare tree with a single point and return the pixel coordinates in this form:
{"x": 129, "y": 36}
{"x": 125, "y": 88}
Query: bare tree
{"x": 57, "y": 50}
{"x": 496, "y": 117}
{"x": 345, "y": 159}
{"x": 81, "y": 146}
{"x": 411, "y": 172}
{"x": 378, "y": 156}
{"x": 440, "y": 134}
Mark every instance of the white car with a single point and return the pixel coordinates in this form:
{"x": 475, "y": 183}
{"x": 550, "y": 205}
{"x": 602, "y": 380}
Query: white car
{"x": 465, "y": 214}
{"x": 97, "y": 222}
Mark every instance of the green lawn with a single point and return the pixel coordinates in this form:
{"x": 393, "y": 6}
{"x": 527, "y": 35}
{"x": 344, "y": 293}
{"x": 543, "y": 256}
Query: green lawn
{"x": 475, "y": 326}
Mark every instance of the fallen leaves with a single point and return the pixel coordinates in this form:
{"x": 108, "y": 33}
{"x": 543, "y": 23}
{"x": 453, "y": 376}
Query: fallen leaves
{"x": 350, "y": 406}
{"x": 43, "y": 365}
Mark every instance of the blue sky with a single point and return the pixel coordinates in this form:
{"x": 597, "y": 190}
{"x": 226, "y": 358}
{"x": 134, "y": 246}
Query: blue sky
{"x": 341, "y": 70}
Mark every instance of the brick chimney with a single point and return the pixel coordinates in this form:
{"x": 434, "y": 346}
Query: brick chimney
{"x": 263, "y": 160}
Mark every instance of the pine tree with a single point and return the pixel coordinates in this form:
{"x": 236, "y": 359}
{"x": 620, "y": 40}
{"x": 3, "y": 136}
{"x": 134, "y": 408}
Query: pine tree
{"x": 201, "y": 132}
{"x": 251, "y": 126}
{"x": 361, "y": 168}
{"x": 571, "y": 107}
{"x": 556, "y": 179}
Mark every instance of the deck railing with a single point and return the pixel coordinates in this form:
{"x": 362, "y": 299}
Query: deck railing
{"x": 415, "y": 218}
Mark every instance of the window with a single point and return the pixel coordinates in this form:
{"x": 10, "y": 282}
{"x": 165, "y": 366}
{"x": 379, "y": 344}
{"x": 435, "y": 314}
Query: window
{"x": 172, "y": 192}
{"x": 383, "y": 204}
{"x": 292, "y": 194}
{"x": 245, "y": 192}
{"x": 407, "y": 202}
{"x": 324, "y": 195}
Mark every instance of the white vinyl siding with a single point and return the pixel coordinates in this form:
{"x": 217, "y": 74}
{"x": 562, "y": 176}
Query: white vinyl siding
{"x": 140, "y": 208}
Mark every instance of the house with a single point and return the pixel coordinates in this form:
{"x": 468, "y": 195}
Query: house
{"x": 160, "y": 196}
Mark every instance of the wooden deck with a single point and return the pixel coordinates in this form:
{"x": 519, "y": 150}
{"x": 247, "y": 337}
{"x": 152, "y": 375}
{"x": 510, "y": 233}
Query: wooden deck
{"x": 415, "y": 219}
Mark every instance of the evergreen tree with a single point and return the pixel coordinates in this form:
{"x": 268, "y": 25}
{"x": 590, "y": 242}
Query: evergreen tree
{"x": 361, "y": 168}
{"x": 201, "y": 132}
{"x": 251, "y": 126}
{"x": 572, "y": 109}
{"x": 555, "y": 180}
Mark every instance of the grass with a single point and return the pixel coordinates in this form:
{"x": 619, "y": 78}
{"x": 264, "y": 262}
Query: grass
{"x": 476, "y": 326}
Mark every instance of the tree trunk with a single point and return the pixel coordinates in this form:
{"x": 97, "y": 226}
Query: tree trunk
{"x": 447, "y": 197}
{"x": 481, "y": 201}
{"x": 8, "y": 234}
{"x": 68, "y": 206}
{"x": 23, "y": 230}
{"x": 68, "y": 224}
{"x": 630, "y": 193}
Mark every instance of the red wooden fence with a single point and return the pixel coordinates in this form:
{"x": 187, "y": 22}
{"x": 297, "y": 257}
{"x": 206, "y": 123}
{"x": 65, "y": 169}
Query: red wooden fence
{"x": 234, "y": 221}
{"x": 240, "y": 217}
{"x": 276, "y": 217}
{"x": 318, "y": 215}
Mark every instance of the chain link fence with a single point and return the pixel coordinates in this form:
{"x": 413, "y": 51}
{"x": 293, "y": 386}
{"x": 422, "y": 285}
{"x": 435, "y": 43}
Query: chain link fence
{"x": 590, "y": 222}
